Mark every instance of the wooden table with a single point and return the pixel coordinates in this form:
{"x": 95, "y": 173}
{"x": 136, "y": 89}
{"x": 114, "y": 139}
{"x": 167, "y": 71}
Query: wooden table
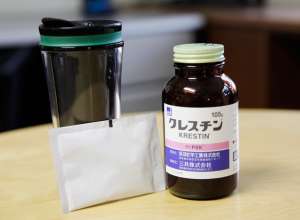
{"x": 269, "y": 178}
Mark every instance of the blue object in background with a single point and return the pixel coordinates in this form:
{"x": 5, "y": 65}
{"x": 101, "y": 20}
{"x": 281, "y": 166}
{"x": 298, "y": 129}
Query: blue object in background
{"x": 97, "y": 6}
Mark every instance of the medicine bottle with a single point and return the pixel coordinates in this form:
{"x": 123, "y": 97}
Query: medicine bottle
{"x": 200, "y": 107}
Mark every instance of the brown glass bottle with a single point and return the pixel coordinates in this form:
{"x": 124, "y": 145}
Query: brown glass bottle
{"x": 200, "y": 85}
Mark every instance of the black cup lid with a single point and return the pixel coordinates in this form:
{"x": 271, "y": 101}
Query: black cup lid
{"x": 60, "y": 27}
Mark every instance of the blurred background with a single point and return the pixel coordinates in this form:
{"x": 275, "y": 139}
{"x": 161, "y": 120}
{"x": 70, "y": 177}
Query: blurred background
{"x": 261, "y": 37}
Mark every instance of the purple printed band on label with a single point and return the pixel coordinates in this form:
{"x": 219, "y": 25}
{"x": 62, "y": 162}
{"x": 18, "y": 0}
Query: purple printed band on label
{"x": 197, "y": 147}
{"x": 197, "y": 161}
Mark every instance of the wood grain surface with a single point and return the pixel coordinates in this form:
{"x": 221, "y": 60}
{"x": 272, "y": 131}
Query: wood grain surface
{"x": 269, "y": 178}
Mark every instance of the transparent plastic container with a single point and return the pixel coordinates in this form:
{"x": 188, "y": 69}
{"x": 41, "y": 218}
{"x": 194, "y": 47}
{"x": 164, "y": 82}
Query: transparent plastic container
{"x": 83, "y": 68}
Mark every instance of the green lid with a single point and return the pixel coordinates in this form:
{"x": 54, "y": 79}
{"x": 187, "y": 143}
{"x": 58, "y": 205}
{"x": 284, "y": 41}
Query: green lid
{"x": 198, "y": 53}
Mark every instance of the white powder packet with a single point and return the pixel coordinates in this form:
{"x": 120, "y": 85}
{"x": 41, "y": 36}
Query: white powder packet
{"x": 97, "y": 164}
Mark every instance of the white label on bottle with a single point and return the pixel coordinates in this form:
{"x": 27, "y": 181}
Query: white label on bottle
{"x": 201, "y": 143}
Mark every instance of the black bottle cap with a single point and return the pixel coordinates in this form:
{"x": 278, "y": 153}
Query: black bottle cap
{"x": 60, "y": 27}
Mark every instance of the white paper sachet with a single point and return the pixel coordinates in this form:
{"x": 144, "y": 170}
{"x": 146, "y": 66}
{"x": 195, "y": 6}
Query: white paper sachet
{"x": 97, "y": 164}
